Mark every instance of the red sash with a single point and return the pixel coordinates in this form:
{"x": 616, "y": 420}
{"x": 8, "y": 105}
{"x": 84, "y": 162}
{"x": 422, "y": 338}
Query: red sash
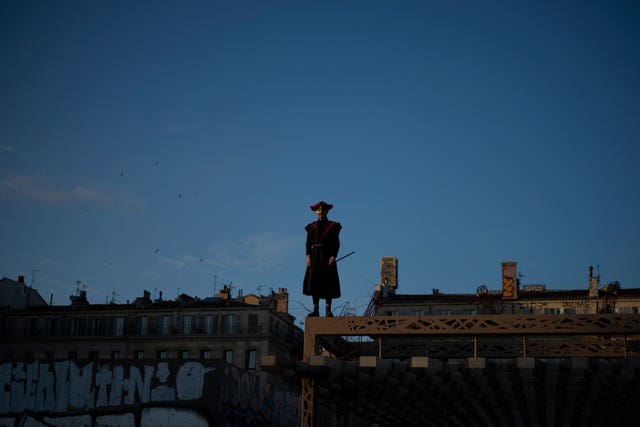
{"x": 326, "y": 230}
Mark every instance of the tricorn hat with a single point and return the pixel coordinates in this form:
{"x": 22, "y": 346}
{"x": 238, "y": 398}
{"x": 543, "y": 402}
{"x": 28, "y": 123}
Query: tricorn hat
{"x": 325, "y": 205}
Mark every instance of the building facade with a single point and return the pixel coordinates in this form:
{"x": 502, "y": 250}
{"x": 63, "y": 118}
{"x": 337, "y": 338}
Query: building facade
{"x": 237, "y": 330}
{"x": 595, "y": 298}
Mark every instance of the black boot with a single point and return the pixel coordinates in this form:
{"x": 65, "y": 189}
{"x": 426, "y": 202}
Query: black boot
{"x": 315, "y": 312}
{"x": 327, "y": 311}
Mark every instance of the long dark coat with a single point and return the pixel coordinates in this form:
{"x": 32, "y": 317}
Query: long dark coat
{"x": 323, "y": 242}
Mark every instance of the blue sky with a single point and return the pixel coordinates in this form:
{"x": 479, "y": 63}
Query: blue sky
{"x": 176, "y": 146}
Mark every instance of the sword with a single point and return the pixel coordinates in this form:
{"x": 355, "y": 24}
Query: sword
{"x": 343, "y": 257}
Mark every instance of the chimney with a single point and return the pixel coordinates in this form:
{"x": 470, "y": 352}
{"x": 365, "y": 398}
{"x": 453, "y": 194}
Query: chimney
{"x": 594, "y": 283}
{"x": 80, "y": 300}
{"x": 225, "y": 293}
{"x": 143, "y": 301}
{"x": 509, "y": 280}
{"x": 389, "y": 271}
{"x": 282, "y": 300}
{"x": 21, "y": 279}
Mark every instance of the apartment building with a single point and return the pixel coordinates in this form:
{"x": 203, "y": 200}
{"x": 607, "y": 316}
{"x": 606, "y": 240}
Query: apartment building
{"x": 511, "y": 298}
{"x": 237, "y": 330}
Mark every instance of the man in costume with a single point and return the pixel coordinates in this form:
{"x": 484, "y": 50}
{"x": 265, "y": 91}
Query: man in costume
{"x": 323, "y": 242}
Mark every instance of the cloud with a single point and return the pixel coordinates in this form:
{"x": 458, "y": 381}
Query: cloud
{"x": 258, "y": 253}
{"x": 25, "y": 187}
{"x": 173, "y": 261}
{"x": 89, "y": 194}
{"x": 8, "y": 148}
{"x": 182, "y": 262}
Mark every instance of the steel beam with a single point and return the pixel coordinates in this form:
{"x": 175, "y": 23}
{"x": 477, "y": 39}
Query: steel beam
{"x": 608, "y": 325}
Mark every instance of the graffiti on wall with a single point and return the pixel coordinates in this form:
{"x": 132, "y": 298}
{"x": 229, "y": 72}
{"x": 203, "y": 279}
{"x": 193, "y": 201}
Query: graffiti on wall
{"x": 150, "y": 417}
{"x": 66, "y": 387}
{"x": 138, "y": 394}
{"x": 247, "y": 399}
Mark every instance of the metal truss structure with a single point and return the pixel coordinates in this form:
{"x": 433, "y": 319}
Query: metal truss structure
{"x": 468, "y": 337}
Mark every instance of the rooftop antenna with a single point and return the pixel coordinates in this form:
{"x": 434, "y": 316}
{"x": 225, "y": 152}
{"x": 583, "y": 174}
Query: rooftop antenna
{"x": 80, "y": 286}
{"x": 228, "y": 287}
{"x": 114, "y": 294}
{"x": 520, "y": 276}
{"x": 33, "y": 274}
{"x": 30, "y": 286}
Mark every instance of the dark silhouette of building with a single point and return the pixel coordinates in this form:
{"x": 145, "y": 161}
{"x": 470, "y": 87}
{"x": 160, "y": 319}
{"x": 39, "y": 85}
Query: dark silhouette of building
{"x": 237, "y": 330}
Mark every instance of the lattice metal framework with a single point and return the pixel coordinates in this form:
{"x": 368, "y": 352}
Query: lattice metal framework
{"x": 553, "y": 336}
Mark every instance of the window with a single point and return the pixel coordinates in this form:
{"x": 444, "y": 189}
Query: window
{"x": 38, "y": 327}
{"x": 73, "y": 354}
{"x": 140, "y": 354}
{"x": 143, "y": 325}
{"x": 227, "y": 356}
{"x": 205, "y": 354}
{"x": 162, "y": 354}
{"x": 231, "y": 324}
{"x": 33, "y": 327}
{"x": 73, "y": 326}
{"x": 165, "y": 324}
{"x": 103, "y": 326}
{"x": 253, "y": 323}
{"x": 50, "y": 355}
{"x": 187, "y": 322}
{"x": 93, "y": 354}
{"x": 118, "y": 326}
{"x": 551, "y": 311}
{"x": 18, "y": 327}
{"x": 115, "y": 354}
{"x": 408, "y": 312}
{"x": 184, "y": 354}
{"x": 210, "y": 324}
{"x": 93, "y": 326}
{"x": 81, "y": 327}
{"x": 275, "y": 328}
{"x": 250, "y": 359}
{"x": 53, "y": 328}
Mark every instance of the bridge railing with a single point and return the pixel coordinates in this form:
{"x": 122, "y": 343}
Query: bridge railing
{"x": 473, "y": 336}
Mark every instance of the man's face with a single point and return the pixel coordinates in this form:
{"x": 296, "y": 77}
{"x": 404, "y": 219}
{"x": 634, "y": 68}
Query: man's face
{"x": 322, "y": 212}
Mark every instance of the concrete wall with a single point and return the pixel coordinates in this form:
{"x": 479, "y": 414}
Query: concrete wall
{"x": 126, "y": 393}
